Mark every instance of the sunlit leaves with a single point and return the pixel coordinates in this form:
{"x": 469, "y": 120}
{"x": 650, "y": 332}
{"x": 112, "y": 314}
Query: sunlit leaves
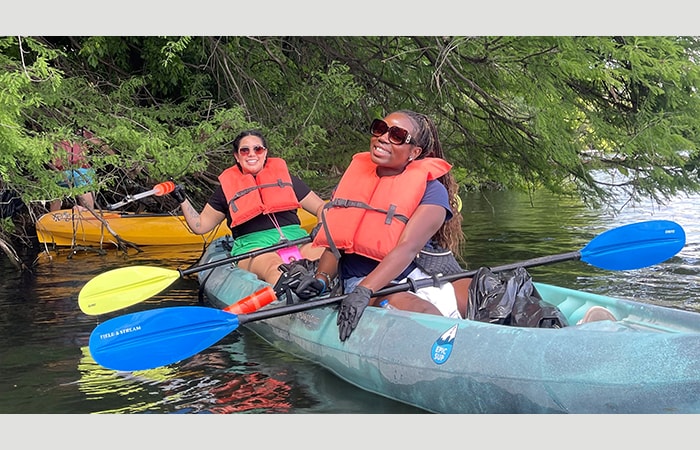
{"x": 517, "y": 112}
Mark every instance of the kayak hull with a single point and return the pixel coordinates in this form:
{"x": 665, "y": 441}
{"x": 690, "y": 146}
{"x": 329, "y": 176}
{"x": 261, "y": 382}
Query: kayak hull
{"x": 646, "y": 362}
{"x": 68, "y": 228}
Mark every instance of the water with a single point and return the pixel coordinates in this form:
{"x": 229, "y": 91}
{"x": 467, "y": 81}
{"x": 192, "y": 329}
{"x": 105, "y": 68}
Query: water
{"x": 45, "y": 367}
{"x": 505, "y": 227}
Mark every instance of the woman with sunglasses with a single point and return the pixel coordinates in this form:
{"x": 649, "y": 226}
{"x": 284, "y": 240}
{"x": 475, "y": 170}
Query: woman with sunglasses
{"x": 390, "y": 202}
{"x": 259, "y": 199}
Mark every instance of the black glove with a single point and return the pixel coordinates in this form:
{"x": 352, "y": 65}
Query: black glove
{"x": 351, "y": 309}
{"x": 310, "y": 286}
{"x": 179, "y": 193}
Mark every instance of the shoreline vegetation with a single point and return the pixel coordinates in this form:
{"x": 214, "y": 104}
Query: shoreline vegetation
{"x": 167, "y": 108}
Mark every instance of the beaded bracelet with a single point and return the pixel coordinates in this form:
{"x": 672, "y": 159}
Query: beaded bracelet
{"x": 328, "y": 277}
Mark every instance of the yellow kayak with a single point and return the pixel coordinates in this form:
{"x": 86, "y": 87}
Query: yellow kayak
{"x": 69, "y": 227}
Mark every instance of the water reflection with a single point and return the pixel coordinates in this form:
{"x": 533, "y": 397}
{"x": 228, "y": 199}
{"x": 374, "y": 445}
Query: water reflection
{"x": 240, "y": 374}
{"x": 214, "y": 381}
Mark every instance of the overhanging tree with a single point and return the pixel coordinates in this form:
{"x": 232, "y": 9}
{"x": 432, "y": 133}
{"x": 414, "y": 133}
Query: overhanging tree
{"x": 515, "y": 112}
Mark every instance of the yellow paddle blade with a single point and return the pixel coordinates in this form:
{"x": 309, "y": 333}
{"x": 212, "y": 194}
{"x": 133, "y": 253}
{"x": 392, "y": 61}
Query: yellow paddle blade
{"x": 123, "y": 287}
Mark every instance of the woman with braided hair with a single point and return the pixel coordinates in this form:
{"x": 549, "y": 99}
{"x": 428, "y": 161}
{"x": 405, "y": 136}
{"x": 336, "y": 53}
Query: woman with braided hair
{"x": 392, "y": 202}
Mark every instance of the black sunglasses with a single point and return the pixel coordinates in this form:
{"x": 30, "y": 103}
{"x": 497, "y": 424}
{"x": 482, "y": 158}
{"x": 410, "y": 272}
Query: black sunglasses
{"x": 243, "y": 151}
{"x": 397, "y": 135}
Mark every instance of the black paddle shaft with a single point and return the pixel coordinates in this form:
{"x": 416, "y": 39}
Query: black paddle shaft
{"x": 250, "y": 254}
{"x": 412, "y": 285}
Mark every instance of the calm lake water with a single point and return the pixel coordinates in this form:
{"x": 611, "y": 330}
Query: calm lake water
{"x": 46, "y": 368}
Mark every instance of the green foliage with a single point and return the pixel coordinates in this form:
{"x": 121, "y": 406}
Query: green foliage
{"x": 514, "y": 112}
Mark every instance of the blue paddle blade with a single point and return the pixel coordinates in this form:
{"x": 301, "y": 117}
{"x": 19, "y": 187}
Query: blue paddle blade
{"x": 158, "y": 337}
{"x": 634, "y": 246}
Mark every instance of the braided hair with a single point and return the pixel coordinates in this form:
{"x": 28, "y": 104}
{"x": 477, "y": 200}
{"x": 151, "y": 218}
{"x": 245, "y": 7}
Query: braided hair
{"x": 450, "y": 235}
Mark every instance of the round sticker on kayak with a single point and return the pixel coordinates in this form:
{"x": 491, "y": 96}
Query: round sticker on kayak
{"x": 443, "y": 346}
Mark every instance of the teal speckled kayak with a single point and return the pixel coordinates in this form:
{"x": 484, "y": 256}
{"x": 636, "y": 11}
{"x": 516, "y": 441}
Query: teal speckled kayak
{"x": 648, "y": 361}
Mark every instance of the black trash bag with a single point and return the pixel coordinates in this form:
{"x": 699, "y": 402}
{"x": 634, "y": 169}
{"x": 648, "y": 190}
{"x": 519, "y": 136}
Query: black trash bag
{"x": 510, "y": 298}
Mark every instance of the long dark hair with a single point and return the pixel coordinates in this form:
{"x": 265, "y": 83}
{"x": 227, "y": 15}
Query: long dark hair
{"x": 450, "y": 235}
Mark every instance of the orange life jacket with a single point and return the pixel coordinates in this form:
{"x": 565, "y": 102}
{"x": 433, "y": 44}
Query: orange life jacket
{"x": 368, "y": 213}
{"x": 269, "y": 191}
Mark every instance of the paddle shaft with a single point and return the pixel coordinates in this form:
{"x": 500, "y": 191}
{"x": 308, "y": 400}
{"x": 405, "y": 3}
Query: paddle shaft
{"x": 250, "y": 254}
{"x": 407, "y": 286}
{"x": 159, "y": 189}
{"x": 627, "y": 247}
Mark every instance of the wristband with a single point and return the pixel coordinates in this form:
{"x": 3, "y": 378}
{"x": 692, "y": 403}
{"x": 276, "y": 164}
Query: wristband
{"x": 324, "y": 285}
{"x": 328, "y": 277}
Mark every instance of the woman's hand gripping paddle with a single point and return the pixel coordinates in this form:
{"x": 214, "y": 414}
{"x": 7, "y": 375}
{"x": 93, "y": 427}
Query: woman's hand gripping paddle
{"x": 158, "y": 337}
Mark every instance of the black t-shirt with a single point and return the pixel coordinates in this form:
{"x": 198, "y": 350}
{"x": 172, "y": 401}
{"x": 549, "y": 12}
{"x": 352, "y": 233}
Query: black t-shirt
{"x": 263, "y": 221}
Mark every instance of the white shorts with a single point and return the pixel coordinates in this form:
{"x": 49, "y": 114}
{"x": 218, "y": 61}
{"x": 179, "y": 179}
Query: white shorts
{"x": 443, "y": 297}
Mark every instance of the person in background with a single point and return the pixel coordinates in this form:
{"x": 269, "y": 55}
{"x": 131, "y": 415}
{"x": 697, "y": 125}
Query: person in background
{"x": 72, "y": 161}
{"x": 397, "y": 197}
{"x": 259, "y": 199}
